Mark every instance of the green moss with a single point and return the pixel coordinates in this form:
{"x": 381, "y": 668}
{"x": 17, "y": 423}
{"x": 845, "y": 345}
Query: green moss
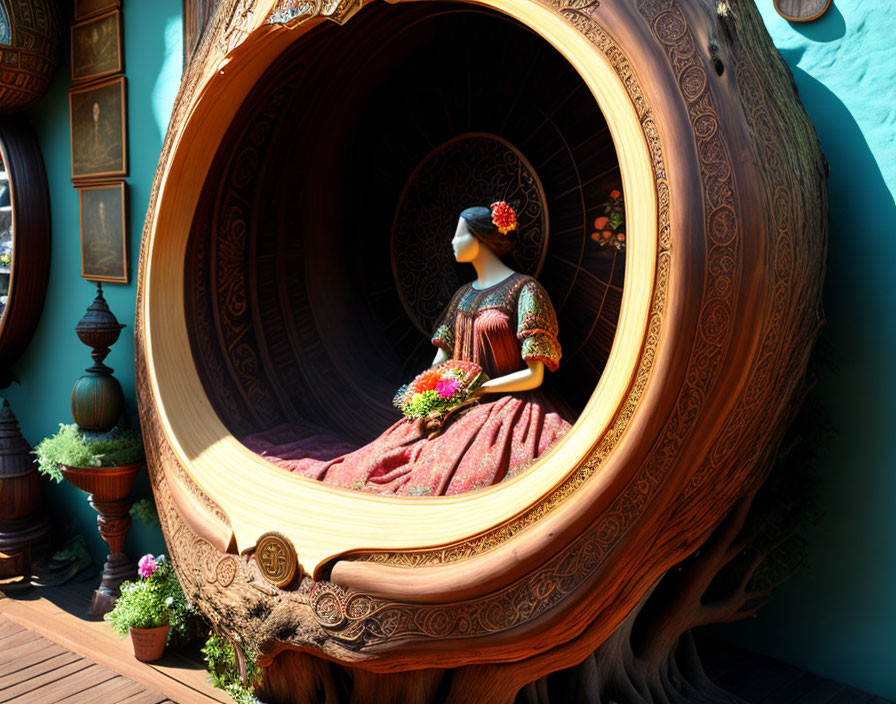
{"x": 76, "y": 448}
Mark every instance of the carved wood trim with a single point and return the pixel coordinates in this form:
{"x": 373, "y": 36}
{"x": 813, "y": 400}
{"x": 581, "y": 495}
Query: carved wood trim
{"x": 30, "y": 199}
{"x": 704, "y": 314}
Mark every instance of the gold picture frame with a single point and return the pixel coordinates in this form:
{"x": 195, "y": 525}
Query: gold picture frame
{"x": 97, "y": 48}
{"x": 102, "y": 216}
{"x": 98, "y": 130}
{"x": 89, "y": 8}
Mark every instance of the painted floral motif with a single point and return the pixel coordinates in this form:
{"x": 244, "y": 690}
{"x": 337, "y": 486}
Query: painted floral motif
{"x": 609, "y": 229}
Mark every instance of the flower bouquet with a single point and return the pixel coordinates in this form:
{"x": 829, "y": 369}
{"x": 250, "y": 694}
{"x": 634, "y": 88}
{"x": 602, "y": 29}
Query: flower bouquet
{"x": 437, "y": 392}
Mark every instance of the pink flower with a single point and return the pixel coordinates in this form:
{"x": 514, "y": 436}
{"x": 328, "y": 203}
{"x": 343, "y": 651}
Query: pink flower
{"x": 447, "y": 387}
{"x": 147, "y": 566}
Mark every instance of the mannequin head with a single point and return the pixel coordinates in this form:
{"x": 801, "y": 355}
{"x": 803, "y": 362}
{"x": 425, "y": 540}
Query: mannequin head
{"x": 466, "y": 247}
{"x": 478, "y": 221}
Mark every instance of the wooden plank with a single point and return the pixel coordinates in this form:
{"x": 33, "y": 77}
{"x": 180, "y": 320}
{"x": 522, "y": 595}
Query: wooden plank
{"x": 34, "y": 648}
{"x": 34, "y": 685}
{"x": 7, "y": 627}
{"x": 147, "y": 697}
{"x": 14, "y": 640}
{"x": 175, "y": 677}
{"x": 80, "y": 681}
{"x": 13, "y": 673}
{"x": 113, "y": 690}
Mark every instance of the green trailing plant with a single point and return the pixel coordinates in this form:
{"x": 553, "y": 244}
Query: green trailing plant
{"x": 76, "y": 448}
{"x": 145, "y": 511}
{"x": 154, "y": 600}
{"x": 220, "y": 657}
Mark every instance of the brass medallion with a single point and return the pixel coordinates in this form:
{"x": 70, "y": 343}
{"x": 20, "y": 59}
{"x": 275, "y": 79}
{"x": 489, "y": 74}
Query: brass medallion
{"x": 276, "y": 559}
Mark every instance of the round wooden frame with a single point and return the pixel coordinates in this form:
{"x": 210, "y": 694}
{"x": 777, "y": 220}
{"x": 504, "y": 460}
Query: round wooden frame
{"x": 30, "y": 270}
{"x": 711, "y": 347}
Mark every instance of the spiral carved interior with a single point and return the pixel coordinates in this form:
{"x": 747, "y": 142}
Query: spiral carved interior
{"x": 302, "y": 304}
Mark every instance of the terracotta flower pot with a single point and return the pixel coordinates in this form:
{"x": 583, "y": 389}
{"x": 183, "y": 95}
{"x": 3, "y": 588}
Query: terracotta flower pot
{"x": 149, "y": 643}
{"x": 104, "y": 483}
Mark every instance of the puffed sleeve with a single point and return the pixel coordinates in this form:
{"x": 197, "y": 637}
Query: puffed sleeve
{"x": 537, "y": 326}
{"x": 444, "y": 335}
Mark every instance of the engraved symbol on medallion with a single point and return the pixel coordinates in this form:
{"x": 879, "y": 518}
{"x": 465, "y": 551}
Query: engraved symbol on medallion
{"x": 276, "y": 559}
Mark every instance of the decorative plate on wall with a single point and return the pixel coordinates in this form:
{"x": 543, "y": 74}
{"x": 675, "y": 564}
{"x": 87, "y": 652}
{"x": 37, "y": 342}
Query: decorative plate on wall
{"x": 802, "y": 10}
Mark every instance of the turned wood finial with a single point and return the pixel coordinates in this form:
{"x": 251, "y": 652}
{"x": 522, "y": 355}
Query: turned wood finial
{"x": 97, "y": 398}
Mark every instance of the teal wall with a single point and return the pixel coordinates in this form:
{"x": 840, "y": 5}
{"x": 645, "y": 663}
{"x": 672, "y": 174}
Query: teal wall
{"x": 838, "y": 617}
{"x": 55, "y": 357}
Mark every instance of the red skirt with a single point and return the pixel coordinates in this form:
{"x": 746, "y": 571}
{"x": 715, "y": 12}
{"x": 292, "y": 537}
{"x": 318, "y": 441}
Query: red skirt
{"x": 478, "y": 447}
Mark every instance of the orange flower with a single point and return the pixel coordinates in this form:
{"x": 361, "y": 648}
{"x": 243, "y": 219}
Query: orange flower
{"x": 606, "y": 234}
{"x": 427, "y": 381}
{"x": 615, "y": 194}
{"x": 595, "y": 236}
{"x": 601, "y": 222}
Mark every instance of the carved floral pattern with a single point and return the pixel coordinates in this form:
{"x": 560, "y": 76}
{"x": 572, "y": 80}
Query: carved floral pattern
{"x": 348, "y": 621}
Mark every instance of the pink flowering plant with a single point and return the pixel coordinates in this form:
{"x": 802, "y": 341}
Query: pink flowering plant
{"x": 154, "y": 600}
{"x": 440, "y": 390}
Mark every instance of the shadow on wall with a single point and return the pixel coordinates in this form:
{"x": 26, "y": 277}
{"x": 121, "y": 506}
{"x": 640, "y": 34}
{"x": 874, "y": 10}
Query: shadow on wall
{"x": 828, "y": 28}
{"x": 836, "y": 617}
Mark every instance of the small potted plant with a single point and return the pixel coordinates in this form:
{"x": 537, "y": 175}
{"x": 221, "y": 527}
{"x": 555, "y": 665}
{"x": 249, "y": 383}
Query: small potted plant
{"x": 152, "y": 610}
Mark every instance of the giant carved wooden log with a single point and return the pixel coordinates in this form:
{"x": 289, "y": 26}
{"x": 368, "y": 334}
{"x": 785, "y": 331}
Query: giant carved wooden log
{"x": 726, "y": 225}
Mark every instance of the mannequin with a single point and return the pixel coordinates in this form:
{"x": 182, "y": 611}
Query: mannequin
{"x": 502, "y": 321}
{"x": 490, "y": 271}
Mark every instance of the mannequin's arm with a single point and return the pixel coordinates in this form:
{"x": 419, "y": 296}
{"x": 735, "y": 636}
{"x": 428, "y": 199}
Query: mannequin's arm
{"x": 523, "y": 380}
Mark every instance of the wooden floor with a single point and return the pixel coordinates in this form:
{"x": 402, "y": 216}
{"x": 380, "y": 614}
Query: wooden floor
{"x": 50, "y": 651}
{"x": 34, "y": 670}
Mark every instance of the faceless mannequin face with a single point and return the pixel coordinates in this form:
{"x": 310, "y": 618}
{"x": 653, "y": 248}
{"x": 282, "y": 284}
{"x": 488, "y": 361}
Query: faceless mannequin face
{"x": 466, "y": 246}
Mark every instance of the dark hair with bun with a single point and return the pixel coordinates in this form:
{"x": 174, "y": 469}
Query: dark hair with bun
{"x": 479, "y": 220}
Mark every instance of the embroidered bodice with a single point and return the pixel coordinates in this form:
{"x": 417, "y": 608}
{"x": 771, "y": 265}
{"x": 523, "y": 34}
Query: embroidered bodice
{"x": 501, "y": 327}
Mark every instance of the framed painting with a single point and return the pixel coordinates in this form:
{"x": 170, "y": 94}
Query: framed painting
{"x": 102, "y": 216}
{"x": 99, "y": 130}
{"x": 88, "y": 8}
{"x": 96, "y": 48}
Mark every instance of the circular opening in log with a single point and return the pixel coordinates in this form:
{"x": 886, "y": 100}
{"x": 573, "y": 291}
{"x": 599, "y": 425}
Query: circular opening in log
{"x": 319, "y": 259}
{"x": 184, "y": 382}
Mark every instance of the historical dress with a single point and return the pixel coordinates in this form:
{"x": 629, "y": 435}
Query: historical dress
{"x": 499, "y": 328}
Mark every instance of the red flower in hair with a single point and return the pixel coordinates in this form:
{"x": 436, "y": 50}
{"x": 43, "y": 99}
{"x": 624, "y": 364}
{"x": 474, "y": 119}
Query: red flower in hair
{"x": 504, "y": 217}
